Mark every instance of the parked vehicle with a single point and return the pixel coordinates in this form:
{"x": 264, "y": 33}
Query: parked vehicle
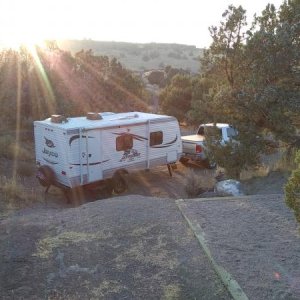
{"x": 193, "y": 146}
{"x": 102, "y": 147}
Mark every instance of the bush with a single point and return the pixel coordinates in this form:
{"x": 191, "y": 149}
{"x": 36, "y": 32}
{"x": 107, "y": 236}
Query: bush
{"x": 196, "y": 184}
{"x": 292, "y": 189}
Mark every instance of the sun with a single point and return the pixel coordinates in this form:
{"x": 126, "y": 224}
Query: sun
{"x": 23, "y": 23}
{"x": 15, "y": 41}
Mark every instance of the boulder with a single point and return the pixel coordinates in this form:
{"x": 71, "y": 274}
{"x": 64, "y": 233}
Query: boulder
{"x": 229, "y": 187}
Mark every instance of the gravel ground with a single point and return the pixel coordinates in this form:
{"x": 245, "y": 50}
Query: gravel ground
{"x": 256, "y": 239}
{"x": 130, "y": 247}
{"x": 136, "y": 247}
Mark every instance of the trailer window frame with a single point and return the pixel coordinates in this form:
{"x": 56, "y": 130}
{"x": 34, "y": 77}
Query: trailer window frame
{"x": 124, "y": 142}
{"x": 156, "y": 138}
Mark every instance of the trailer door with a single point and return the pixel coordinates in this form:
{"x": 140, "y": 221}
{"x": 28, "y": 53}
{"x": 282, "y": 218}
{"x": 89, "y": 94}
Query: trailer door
{"x": 93, "y": 155}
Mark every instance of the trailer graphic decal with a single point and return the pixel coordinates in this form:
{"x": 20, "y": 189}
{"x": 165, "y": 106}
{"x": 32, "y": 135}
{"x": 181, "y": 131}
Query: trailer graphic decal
{"x": 50, "y": 161}
{"x": 92, "y": 164}
{"x": 134, "y": 136}
{"x": 130, "y": 155}
{"x": 49, "y": 143}
{"x": 77, "y": 136}
{"x": 50, "y": 153}
{"x": 166, "y": 144}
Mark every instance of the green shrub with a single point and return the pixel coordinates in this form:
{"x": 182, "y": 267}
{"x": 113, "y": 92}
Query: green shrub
{"x": 292, "y": 189}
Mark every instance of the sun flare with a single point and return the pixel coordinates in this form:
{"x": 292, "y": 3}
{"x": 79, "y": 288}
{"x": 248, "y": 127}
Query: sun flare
{"x": 17, "y": 41}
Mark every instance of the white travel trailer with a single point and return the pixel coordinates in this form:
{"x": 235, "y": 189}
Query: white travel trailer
{"x": 72, "y": 152}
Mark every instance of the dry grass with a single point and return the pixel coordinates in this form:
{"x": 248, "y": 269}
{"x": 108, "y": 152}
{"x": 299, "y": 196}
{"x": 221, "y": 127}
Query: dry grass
{"x": 279, "y": 161}
{"x": 157, "y": 255}
{"x": 197, "y": 183}
{"x": 107, "y": 287}
{"x": 17, "y": 151}
{"x": 25, "y": 168}
{"x": 46, "y": 246}
{"x": 15, "y": 195}
{"x": 171, "y": 291}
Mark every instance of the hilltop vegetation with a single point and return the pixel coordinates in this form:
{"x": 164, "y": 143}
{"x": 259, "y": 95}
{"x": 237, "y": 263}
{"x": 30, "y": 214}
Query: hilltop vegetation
{"x": 141, "y": 57}
{"x": 36, "y": 84}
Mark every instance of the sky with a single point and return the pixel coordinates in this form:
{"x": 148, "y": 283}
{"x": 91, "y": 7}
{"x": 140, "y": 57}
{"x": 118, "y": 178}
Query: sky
{"x": 137, "y": 21}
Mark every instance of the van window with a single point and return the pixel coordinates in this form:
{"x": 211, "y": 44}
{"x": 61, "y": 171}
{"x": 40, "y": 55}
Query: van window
{"x": 231, "y": 132}
{"x": 213, "y": 132}
{"x": 156, "y": 138}
{"x": 124, "y": 142}
{"x": 201, "y": 131}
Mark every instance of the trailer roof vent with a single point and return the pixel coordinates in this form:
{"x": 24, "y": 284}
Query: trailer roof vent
{"x": 58, "y": 119}
{"x": 93, "y": 116}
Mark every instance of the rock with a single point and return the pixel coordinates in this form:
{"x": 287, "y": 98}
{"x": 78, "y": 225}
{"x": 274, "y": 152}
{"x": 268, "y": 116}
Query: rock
{"x": 229, "y": 187}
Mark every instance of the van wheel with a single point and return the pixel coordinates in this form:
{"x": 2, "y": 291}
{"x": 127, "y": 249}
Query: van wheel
{"x": 119, "y": 183}
{"x": 45, "y": 176}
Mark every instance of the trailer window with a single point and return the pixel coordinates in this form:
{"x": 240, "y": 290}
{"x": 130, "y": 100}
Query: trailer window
{"x": 124, "y": 142}
{"x": 156, "y": 138}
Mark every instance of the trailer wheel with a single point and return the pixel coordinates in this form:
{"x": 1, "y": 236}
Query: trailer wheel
{"x": 119, "y": 183}
{"x": 45, "y": 176}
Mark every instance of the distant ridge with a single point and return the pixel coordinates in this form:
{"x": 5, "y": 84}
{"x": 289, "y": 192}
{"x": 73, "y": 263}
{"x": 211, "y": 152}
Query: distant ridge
{"x": 141, "y": 57}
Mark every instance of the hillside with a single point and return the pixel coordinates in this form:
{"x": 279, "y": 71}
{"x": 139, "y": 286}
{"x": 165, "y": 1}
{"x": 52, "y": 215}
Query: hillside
{"x": 141, "y": 57}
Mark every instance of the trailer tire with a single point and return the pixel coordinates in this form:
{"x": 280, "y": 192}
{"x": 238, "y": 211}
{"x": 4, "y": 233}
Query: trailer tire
{"x": 45, "y": 176}
{"x": 119, "y": 182}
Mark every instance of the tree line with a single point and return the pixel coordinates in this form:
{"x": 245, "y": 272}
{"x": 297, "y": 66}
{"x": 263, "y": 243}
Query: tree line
{"x": 35, "y": 83}
{"x": 250, "y": 79}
